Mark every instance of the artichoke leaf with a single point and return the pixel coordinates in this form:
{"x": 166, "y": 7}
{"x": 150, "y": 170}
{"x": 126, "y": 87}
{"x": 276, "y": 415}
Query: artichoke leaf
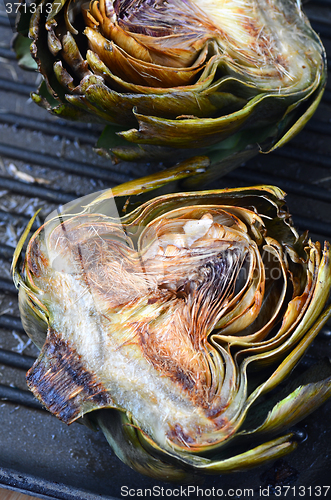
{"x": 182, "y": 132}
{"x": 293, "y": 328}
{"x": 139, "y": 72}
{"x": 57, "y": 6}
{"x": 271, "y": 450}
{"x": 169, "y": 104}
{"x": 254, "y": 457}
{"x": 285, "y": 368}
{"x": 34, "y": 319}
{"x": 156, "y": 181}
{"x": 203, "y": 82}
{"x": 19, "y": 248}
{"x": 292, "y": 409}
{"x": 73, "y": 58}
{"x": 299, "y": 124}
{"x": 22, "y": 45}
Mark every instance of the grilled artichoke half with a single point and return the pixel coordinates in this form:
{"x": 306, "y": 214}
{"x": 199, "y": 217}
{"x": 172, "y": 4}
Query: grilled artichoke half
{"x": 166, "y": 325}
{"x": 227, "y": 77}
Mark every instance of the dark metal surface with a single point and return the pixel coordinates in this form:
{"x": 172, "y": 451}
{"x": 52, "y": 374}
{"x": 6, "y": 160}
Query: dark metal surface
{"x": 44, "y": 163}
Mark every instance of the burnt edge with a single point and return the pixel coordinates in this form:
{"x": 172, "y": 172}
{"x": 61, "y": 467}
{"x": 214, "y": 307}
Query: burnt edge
{"x": 59, "y": 380}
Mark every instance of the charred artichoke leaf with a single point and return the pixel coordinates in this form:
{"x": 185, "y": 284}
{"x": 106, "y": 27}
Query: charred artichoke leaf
{"x": 180, "y": 74}
{"x": 149, "y": 322}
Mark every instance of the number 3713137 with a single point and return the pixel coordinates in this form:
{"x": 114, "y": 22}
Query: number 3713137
{"x": 13, "y": 7}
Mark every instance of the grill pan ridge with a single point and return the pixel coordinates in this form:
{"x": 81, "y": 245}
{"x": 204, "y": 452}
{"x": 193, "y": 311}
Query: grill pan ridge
{"x": 45, "y": 163}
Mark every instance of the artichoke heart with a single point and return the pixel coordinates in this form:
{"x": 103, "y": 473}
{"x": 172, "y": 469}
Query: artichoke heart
{"x": 221, "y": 78}
{"x": 168, "y": 325}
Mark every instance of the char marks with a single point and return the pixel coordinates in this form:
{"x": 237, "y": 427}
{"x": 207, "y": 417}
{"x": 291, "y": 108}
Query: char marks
{"x": 62, "y": 384}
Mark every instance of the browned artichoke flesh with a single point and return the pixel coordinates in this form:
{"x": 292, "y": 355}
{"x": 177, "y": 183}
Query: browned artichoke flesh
{"x": 258, "y": 41}
{"x": 225, "y": 79}
{"x": 160, "y": 313}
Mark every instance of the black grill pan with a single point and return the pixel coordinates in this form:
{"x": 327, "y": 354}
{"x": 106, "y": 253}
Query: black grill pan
{"x": 38, "y": 454}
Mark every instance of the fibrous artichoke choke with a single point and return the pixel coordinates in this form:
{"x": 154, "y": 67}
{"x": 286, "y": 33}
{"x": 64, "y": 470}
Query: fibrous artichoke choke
{"x": 167, "y": 325}
{"x": 227, "y": 78}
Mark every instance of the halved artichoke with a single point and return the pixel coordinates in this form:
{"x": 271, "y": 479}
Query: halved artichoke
{"x": 168, "y": 325}
{"x": 227, "y": 78}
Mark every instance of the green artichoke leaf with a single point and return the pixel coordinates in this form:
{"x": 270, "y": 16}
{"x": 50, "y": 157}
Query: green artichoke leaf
{"x": 300, "y": 123}
{"x": 23, "y": 20}
{"x": 57, "y": 6}
{"x": 135, "y": 191}
{"x": 41, "y": 53}
{"x": 19, "y": 247}
{"x": 22, "y": 45}
{"x": 34, "y": 318}
{"x": 222, "y": 161}
{"x": 45, "y": 100}
{"x": 164, "y": 105}
{"x": 254, "y": 457}
{"x": 260, "y": 412}
{"x": 296, "y": 406}
{"x": 285, "y": 368}
{"x": 109, "y": 138}
{"x": 182, "y": 132}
